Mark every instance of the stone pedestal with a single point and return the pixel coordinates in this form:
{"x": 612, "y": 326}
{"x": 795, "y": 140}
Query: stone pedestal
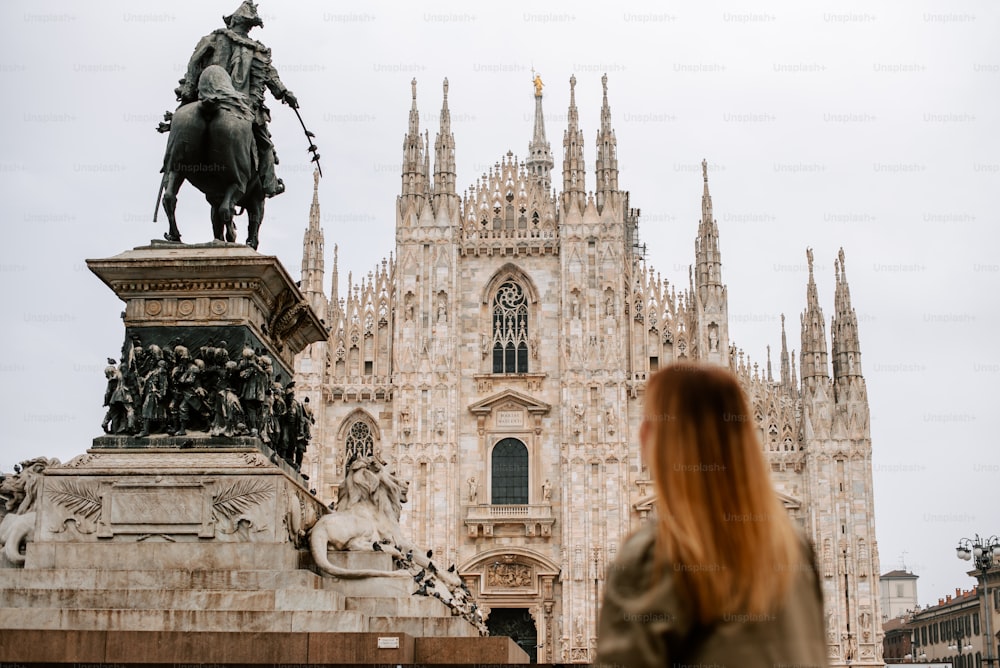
{"x": 211, "y": 292}
{"x": 192, "y": 548}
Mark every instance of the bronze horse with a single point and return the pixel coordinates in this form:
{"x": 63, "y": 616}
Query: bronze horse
{"x": 212, "y": 145}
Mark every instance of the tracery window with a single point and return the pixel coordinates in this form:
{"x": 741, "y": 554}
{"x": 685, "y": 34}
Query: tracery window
{"x": 509, "y": 468}
{"x": 510, "y": 329}
{"x": 359, "y": 441}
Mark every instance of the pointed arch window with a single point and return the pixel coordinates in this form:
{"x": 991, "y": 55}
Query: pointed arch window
{"x": 510, "y": 329}
{"x": 509, "y": 469}
{"x": 359, "y": 442}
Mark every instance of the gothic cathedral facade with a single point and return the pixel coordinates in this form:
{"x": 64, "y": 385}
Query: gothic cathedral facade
{"x": 497, "y": 360}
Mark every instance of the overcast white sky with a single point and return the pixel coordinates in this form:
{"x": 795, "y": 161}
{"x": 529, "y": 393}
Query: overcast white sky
{"x": 826, "y": 124}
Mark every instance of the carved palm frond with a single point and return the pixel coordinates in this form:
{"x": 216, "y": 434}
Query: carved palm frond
{"x": 241, "y": 496}
{"x": 79, "y": 498}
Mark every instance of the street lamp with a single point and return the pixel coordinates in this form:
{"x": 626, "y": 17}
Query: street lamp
{"x": 984, "y": 553}
{"x": 958, "y": 632}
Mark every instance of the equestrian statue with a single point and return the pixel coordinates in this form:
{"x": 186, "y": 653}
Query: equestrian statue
{"x": 218, "y": 138}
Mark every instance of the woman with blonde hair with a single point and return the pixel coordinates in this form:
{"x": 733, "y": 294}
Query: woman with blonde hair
{"x": 721, "y": 576}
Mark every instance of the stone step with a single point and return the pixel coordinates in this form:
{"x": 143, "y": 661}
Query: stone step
{"x": 243, "y": 621}
{"x": 173, "y": 599}
{"x": 409, "y": 606}
{"x": 381, "y": 587}
{"x": 360, "y": 560}
{"x": 242, "y": 580}
{"x": 165, "y": 556}
{"x": 247, "y": 649}
{"x": 438, "y": 627}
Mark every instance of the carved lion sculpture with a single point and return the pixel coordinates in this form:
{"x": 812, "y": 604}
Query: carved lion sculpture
{"x": 15, "y": 532}
{"x": 368, "y": 514}
{"x": 19, "y": 494}
{"x": 367, "y": 519}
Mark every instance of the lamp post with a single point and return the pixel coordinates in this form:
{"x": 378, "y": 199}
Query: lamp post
{"x": 984, "y": 553}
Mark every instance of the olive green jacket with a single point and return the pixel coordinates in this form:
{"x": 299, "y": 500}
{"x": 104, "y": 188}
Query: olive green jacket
{"x": 643, "y": 622}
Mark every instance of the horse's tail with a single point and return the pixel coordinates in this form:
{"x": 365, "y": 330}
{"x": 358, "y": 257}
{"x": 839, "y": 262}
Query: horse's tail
{"x": 318, "y": 541}
{"x": 20, "y": 534}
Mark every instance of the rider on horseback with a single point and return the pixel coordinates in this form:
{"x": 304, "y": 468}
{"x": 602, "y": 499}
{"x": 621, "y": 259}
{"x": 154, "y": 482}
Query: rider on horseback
{"x": 248, "y": 63}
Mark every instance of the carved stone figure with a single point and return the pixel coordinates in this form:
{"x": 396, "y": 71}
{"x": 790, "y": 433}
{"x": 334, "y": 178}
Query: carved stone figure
{"x": 546, "y": 490}
{"x": 120, "y": 418}
{"x": 473, "y": 490}
{"x": 228, "y": 415}
{"x": 254, "y": 374}
{"x": 291, "y": 426}
{"x": 154, "y": 392}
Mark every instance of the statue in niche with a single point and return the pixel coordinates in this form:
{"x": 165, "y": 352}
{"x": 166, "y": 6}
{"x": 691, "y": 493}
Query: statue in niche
{"x": 713, "y": 338}
{"x": 442, "y": 310}
{"x": 546, "y": 491}
{"x": 408, "y": 307}
{"x": 473, "y": 489}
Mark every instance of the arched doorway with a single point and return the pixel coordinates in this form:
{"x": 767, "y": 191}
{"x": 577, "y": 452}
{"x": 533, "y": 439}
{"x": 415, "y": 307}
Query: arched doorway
{"x": 516, "y": 624}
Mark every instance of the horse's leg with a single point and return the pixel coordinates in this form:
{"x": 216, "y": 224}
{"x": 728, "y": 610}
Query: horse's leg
{"x": 255, "y": 212}
{"x": 215, "y": 206}
{"x": 171, "y": 185}
{"x": 228, "y": 209}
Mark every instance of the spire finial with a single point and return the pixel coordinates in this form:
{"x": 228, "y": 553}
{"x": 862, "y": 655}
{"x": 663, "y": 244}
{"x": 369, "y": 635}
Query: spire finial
{"x": 604, "y": 84}
{"x": 413, "y": 88}
{"x": 538, "y": 83}
{"x": 809, "y": 257}
{"x": 704, "y": 169}
{"x": 315, "y": 182}
{"x": 445, "y": 86}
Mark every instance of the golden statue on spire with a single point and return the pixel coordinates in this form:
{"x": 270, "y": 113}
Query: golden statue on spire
{"x": 538, "y": 84}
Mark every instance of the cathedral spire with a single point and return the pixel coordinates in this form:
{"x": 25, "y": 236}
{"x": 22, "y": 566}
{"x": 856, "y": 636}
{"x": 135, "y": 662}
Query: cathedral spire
{"x": 707, "y": 255}
{"x": 607, "y": 152}
{"x": 539, "y": 162}
{"x": 574, "y": 173}
{"x": 712, "y": 300}
{"x": 312, "y": 255}
{"x": 334, "y": 309}
{"x": 786, "y": 377}
{"x": 444, "y": 155}
{"x": 414, "y": 160}
{"x": 813, "y": 354}
{"x": 844, "y": 328}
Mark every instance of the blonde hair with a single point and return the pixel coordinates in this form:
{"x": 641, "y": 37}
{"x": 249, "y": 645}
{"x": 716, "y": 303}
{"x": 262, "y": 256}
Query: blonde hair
{"x": 720, "y": 526}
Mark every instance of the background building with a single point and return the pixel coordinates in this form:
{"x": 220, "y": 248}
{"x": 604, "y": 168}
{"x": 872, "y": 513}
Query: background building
{"x": 897, "y": 593}
{"x": 498, "y": 358}
{"x": 950, "y": 631}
